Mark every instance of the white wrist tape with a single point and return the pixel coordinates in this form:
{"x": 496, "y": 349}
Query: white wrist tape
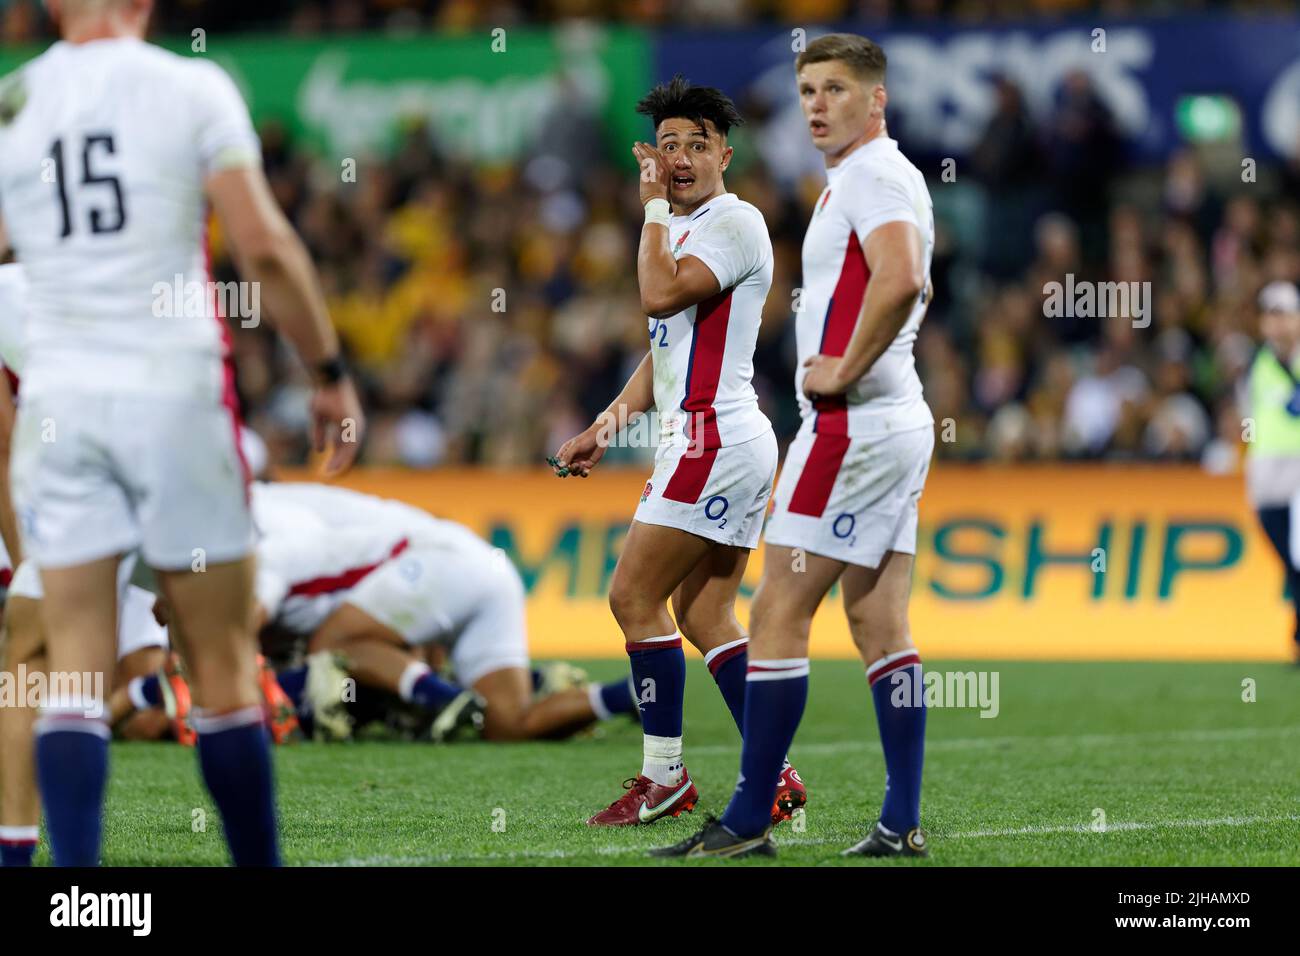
{"x": 658, "y": 210}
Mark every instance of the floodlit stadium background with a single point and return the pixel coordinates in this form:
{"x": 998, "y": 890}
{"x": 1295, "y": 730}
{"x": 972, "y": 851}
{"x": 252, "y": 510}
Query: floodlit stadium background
{"x": 461, "y": 173}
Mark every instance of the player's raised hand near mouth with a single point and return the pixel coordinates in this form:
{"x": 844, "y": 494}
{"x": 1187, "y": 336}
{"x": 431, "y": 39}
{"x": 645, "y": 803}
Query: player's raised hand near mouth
{"x": 655, "y": 175}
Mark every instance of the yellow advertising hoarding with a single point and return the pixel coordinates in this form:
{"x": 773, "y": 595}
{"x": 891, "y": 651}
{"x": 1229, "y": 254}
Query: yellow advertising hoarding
{"x": 1102, "y": 562}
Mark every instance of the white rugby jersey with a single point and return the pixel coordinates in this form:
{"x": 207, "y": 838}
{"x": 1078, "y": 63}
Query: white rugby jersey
{"x": 105, "y": 148}
{"x": 875, "y": 184}
{"x": 704, "y": 355}
{"x": 317, "y": 542}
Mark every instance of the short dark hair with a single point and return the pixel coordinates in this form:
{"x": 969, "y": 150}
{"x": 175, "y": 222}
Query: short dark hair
{"x": 678, "y": 99}
{"x": 863, "y": 57}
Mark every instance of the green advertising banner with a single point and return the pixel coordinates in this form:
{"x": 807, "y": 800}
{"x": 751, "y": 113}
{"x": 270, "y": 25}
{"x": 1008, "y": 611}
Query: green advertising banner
{"x": 486, "y": 95}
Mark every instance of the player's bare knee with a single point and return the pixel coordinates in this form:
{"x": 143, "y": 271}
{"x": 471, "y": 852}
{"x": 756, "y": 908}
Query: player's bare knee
{"x": 760, "y": 616}
{"x": 768, "y": 614}
{"x": 877, "y": 637}
{"x": 629, "y": 607}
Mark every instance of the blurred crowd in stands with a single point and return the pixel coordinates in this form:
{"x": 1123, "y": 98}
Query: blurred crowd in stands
{"x": 491, "y": 312}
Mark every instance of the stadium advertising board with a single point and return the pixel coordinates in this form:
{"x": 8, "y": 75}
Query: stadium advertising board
{"x": 350, "y": 96}
{"x": 1048, "y": 563}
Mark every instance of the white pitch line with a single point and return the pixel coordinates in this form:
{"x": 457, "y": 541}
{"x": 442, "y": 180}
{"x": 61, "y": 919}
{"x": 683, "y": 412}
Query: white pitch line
{"x": 1124, "y": 825}
{"x": 1082, "y": 828}
{"x": 976, "y": 743}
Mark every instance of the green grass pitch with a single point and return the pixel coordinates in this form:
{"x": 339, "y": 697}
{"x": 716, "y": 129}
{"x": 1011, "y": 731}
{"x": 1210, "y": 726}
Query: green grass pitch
{"x": 1184, "y": 770}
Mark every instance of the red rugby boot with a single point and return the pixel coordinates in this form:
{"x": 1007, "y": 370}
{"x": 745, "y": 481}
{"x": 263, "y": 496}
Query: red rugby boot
{"x": 791, "y": 794}
{"x": 647, "y": 801}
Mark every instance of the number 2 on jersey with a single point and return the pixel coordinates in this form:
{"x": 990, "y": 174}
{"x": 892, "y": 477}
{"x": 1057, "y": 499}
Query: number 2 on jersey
{"x": 660, "y": 329}
{"x": 100, "y": 224}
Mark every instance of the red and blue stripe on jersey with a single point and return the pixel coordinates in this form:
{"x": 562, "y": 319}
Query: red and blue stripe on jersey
{"x": 703, "y": 373}
{"x": 831, "y": 425}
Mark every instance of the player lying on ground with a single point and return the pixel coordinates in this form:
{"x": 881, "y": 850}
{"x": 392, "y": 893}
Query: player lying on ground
{"x": 140, "y": 142}
{"x": 372, "y": 581}
{"x": 704, "y": 267}
{"x": 846, "y": 505}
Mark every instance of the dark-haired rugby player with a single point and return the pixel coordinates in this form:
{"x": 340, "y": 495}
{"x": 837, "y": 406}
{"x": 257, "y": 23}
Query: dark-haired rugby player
{"x": 704, "y": 267}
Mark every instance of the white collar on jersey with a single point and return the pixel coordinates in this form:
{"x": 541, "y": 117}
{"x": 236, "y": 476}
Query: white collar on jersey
{"x": 715, "y": 201}
{"x": 869, "y": 148}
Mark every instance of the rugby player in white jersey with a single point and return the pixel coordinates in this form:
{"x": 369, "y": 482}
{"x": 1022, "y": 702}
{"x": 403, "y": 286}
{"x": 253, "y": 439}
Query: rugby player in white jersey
{"x": 372, "y": 582}
{"x": 704, "y": 267}
{"x": 846, "y": 505}
{"x": 111, "y": 151}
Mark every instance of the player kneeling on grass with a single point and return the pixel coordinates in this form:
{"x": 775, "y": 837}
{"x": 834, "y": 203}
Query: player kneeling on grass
{"x": 704, "y": 268}
{"x": 846, "y": 506}
{"x": 371, "y": 582}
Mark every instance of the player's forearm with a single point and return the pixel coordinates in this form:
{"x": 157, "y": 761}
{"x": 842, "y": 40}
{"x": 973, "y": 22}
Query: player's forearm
{"x": 637, "y": 397}
{"x": 293, "y": 298}
{"x": 656, "y": 272}
{"x": 885, "y": 309}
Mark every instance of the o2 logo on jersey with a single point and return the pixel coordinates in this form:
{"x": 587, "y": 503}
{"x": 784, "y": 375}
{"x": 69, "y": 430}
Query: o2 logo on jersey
{"x": 842, "y": 527}
{"x": 715, "y": 509}
{"x": 659, "y": 330}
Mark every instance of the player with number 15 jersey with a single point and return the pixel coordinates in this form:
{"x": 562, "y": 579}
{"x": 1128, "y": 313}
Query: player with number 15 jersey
{"x": 111, "y": 151}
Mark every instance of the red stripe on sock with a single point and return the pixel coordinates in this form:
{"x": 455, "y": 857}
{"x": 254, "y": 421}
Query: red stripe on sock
{"x": 716, "y": 664}
{"x": 641, "y": 646}
{"x": 892, "y": 666}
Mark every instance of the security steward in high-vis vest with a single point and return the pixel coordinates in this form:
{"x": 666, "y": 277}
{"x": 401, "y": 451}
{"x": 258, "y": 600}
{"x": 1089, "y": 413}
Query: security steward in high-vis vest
{"x": 1273, "y": 454}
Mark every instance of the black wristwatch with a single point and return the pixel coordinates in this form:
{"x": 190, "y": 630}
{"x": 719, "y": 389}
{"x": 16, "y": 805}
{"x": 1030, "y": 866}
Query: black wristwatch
{"x": 331, "y": 371}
